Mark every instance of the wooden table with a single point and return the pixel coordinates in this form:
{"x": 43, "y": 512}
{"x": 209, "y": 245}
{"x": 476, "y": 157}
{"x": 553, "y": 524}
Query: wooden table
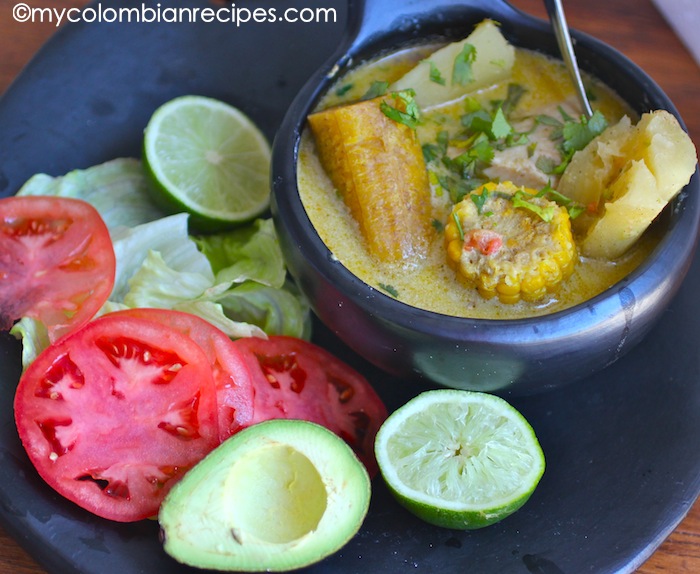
{"x": 634, "y": 27}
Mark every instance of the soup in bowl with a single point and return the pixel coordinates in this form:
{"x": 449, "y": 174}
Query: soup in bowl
{"x": 450, "y": 214}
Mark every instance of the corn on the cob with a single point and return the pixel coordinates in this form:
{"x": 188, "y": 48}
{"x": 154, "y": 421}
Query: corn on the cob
{"x": 377, "y": 165}
{"x": 506, "y": 250}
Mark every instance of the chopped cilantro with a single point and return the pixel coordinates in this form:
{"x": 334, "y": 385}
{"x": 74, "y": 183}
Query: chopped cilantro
{"x": 376, "y": 89}
{"x": 435, "y": 75}
{"x": 438, "y": 225}
{"x": 548, "y": 121}
{"x": 577, "y": 135}
{"x": 500, "y": 128}
{"x": 520, "y": 199}
{"x": 457, "y": 188}
{"x": 479, "y": 200}
{"x": 390, "y": 289}
{"x": 546, "y": 164}
{"x": 477, "y": 121}
{"x": 462, "y": 68}
{"x": 344, "y": 89}
{"x": 407, "y": 112}
{"x": 458, "y": 223}
{"x": 515, "y": 93}
{"x": 574, "y": 208}
{"x": 432, "y": 152}
{"x": 572, "y": 136}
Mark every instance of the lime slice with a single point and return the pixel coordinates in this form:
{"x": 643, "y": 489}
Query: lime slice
{"x": 459, "y": 459}
{"x": 209, "y": 159}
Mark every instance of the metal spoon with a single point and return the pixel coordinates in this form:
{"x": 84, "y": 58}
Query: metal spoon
{"x": 561, "y": 31}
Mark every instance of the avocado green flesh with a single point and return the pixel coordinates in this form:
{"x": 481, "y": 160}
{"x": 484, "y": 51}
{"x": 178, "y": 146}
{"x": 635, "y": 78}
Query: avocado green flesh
{"x": 277, "y": 496}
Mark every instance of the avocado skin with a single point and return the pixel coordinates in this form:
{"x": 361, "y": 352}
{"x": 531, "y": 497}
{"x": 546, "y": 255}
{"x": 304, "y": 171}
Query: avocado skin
{"x": 277, "y": 496}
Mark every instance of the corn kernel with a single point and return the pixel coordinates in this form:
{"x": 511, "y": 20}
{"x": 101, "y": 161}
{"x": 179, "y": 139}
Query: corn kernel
{"x": 511, "y": 253}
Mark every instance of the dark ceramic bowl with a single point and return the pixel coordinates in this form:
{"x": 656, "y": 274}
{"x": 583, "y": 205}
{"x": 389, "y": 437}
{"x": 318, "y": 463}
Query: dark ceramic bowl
{"x": 521, "y": 356}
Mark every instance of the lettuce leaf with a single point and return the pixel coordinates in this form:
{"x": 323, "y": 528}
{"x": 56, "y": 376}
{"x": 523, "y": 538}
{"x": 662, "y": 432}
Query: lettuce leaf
{"x": 250, "y": 253}
{"x": 275, "y": 311}
{"x": 169, "y": 237}
{"x": 34, "y": 337}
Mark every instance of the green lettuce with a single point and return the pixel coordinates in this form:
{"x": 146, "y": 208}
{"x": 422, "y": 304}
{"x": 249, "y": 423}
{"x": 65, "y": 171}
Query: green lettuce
{"x": 34, "y": 337}
{"x": 250, "y": 253}
{"x": 168, "y": 237}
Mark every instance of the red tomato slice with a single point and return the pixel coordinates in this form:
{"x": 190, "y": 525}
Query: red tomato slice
{"x": 115, "y": 413}
{"x": 231, "y": 376}
{"x": 56, "y": 262}
{"x": 295, "y": 379}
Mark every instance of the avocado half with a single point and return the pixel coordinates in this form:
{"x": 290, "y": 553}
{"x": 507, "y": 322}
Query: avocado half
{"x": 278, "y": 495}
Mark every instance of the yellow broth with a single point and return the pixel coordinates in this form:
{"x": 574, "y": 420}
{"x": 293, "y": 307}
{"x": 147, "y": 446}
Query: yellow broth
{"x": 431, "y": 283}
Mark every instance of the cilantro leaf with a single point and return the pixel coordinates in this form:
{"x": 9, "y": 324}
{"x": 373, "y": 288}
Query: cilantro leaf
{"x": 577, "y": 135}
{"x": 390, "y": 289}
{"x": 521, "y": 199}
{"x": 458, "y": 188}
{"x": 573, "y": 207}
{"x": 462, "y": 68}
{"x": 435, "y": 75}
{"x": 479, "y": 200}
{"x": 406, "y": 112}
{"x": 376, "y": 89}
{"x": 500, "y": 128}
{"x": 458, "y": 223}
{"x": 515, "y": 93}
{"x": 342, "y": 90}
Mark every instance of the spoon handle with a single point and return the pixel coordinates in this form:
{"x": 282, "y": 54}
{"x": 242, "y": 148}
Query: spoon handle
{"x": 561, "y": 31}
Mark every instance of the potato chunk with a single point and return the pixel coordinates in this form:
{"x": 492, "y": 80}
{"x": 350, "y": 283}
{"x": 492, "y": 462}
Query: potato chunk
{"x": 625, "y": 177}
{"x": 377, "y": 166}
{"x": 509, "y": 243}
{"x": 434, "y": 80}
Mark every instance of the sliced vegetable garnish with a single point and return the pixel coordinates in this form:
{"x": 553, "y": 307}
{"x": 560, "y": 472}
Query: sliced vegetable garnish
{"x": 296, "y": 379}
{"x": 232, "y": 379}
{"x": 57, "y": 264}
{"x": 459, "y": 459}
{"x": 115, "y": 413}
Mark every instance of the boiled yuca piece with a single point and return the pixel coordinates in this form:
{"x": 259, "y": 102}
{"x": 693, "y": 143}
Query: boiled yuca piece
{"x": 377, "y": 165}
{"x": 626, "y": 176}
{"x": 440, "y": 79}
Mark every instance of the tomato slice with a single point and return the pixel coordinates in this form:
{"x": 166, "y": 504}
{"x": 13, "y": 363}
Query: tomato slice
{"x": 113, "y": 414}
{"x": 231, "y": 375}
{"x": 57, "y": 262}
{"x": 296, "y": 379}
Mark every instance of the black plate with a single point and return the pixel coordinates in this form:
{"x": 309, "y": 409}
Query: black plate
{"x": 621, "y": 447}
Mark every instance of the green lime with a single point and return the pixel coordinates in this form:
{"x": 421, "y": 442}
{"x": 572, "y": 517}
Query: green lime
{"x": 209, "y": 159}
{"x": 459, "y": 459}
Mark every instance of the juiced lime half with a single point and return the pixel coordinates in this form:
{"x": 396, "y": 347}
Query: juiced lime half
{"x": 209, "y": 159}
{"x": 276, "y": 496}
{"x": 459, "y": 459}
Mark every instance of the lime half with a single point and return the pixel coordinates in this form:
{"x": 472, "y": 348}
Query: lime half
{"x": 459, "y": 459}
{"x": 209, "y": 159}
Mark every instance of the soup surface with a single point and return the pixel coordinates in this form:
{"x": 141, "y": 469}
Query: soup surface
{"x": 430, "y": 282}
